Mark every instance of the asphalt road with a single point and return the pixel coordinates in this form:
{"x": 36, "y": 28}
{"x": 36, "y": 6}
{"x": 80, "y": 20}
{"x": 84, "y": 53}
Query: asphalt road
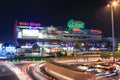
{"x": 7, "y": 74}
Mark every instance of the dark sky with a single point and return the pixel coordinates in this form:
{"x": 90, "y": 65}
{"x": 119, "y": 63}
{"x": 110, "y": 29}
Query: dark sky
{"x": 94, "y": 13}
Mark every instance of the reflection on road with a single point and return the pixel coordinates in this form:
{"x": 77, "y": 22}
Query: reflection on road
{"x": 22, "y": 71}
{"x": 32, "y": 69}
{"x": 6, "y": 73}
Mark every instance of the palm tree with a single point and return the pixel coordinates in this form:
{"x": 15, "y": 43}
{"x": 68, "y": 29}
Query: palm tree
{"x": 36, "y": 47}
{"x": 86, "y": 46}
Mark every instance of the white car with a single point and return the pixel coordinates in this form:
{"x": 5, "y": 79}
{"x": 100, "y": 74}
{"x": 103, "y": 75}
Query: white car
{"x": 83, "y": 67}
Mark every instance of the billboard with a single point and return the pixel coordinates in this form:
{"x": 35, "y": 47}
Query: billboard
{"x": 30, "y": 33}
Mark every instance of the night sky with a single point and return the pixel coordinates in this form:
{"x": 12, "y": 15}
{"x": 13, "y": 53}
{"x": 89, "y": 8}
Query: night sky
{"x": 94, "y": 13}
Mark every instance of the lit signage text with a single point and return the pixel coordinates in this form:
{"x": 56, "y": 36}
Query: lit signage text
{"x": 75, "y": 24}
{"x": 76, "y": 29}
{"x": 29, "y": 24}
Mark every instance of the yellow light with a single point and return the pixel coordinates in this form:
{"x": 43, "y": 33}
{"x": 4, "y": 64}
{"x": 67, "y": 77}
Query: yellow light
{"x": 114, "y": 3}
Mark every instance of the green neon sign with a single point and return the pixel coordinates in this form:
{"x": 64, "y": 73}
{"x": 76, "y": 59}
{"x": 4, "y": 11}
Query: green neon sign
{"x": 75, "y": 24}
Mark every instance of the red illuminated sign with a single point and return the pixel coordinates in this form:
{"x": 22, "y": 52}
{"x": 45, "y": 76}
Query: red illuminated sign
{"x": 99, "y": 31}
{"x": 29, "y": 24}
{"x": 76, "y": 29}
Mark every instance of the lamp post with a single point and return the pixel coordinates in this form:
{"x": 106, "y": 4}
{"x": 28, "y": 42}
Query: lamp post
{"x": 112, "y": 5}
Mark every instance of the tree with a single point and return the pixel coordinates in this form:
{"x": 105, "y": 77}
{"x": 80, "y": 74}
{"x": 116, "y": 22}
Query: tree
{"x": 108, "y": 45}
{"x": 117, "y": 55}
{"x": 77, "y": 46}
{"x": 118, "y": 48}
{"x": 28, "y": 50}
{"x": 86, "y": 46}
{"x": 36, "y": 47}
{"x": 5, "y": 44}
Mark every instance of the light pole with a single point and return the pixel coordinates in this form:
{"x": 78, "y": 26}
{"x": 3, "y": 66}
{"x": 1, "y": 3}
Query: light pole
{"x": 112, "y": 5}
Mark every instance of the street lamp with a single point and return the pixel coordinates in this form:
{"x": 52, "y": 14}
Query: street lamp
{"x": 112, "y": 5}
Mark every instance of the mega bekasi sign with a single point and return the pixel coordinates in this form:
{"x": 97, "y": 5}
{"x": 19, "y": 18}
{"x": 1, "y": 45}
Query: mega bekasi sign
{"x": 28, "y": 24}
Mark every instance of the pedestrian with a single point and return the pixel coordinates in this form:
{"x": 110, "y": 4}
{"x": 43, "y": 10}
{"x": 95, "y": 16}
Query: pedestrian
{"x": 84, "y": 58}
{"x": 75, "y": 57}
{"x": 87, "y": 58}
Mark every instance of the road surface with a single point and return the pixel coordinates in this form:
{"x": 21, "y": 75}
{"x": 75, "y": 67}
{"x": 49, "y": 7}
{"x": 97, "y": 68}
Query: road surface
{"x": 6, "y": 73}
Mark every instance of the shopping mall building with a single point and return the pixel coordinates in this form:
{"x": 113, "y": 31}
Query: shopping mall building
{"x": 53, "y": 39}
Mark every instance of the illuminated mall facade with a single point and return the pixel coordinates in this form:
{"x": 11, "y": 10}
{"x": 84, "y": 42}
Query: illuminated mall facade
{"x": 53, "y": 39}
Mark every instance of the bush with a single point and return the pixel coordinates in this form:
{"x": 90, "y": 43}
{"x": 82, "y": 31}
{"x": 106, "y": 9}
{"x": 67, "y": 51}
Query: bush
{"x": 30, "y": 58}
{"x": 99, "y": 60}
{"x": 59, "y": 54}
